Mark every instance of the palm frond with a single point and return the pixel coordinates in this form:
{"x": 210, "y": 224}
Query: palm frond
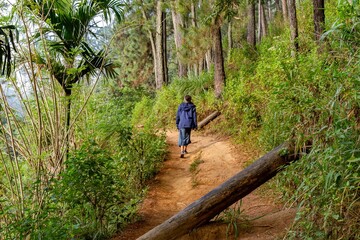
{"x": 108, "y": 7}
{"x": 6, "y": 42}
{"x": 70, "y": 21}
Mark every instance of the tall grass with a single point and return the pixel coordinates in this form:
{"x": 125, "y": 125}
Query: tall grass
{"x": 89, "y": 190}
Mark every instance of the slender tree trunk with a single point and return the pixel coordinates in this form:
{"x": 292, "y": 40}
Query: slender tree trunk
{"x": 178, "y": 24}
{"x": 259, "y": 22}
{"x": 319, "y": 18}
{"x": 270, "y": 15}
{"x": 160, "y": 67}
{"x": 153, "y": 46}
{"x": 251, "y": 33}
{"x": 197, "y": 68}
{"x": 164, "y": 49}
{"x": 219, "y": 62}
{"x": 285, "y": 10}
{"x": 263, "y": 20}
{"x": 201, "y": 65}
{"x": 208, "y": 59}
{"x": 67, "y": 127}
{"x": 293, "y": 24}
{"x": 230, "y": 40}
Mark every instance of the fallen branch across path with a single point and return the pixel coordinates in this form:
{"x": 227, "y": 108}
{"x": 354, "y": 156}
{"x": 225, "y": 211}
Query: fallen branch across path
{"x": 208, "y": 119}
{"x": 220, "y": 198}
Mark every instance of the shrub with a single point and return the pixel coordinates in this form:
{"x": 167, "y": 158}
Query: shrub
{"x": 94, "y": 194}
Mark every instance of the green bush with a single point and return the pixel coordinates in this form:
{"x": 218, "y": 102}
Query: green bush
{"x": 142, "y": 158}
{"x": 94, "y": 194}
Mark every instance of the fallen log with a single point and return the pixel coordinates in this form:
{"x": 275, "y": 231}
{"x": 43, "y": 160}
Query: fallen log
{"x": 208, "y": 119}
{"x": 223, "y": 196}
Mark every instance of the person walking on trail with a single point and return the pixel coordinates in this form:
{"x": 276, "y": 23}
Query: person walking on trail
{"x": 185, "y": 122}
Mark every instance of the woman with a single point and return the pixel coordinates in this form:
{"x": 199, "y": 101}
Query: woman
{"x": 185, "y": 122}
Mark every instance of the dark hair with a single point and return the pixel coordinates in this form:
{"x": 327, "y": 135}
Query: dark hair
{"x": 187, "y": 98}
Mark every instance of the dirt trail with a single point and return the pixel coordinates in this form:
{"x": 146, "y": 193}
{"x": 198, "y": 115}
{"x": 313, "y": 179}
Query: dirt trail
{"x": 176, "y": 186}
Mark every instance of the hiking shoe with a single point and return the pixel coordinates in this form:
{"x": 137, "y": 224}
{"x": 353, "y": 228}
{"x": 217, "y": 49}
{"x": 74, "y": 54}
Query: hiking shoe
{"x": 186, "y": 152}
{"x": 182, "y": 154}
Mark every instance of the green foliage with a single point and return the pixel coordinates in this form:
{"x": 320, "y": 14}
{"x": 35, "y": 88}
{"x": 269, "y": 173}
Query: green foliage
{"x": 271, "y": 97}
{"x": 133, "y": 55}
{"x": 142, "y": 157}
{"x": 325, "y": 183}
{"x": 161, "y": 111}
{"x": 104, "y": 178}
{"x": 343, "y": 34}
{"x": 242, "y": 109}
{"x": 236, "y": 219}
{"x": 142, "y": 115}
{"x": 93, "y": 192}
{"x": 116, "y": 146}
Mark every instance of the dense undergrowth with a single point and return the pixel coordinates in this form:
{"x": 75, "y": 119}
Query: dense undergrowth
{"x": 117, "y": 142}
{"x": 272, "y": 96}
{"x": 103, "y": 180}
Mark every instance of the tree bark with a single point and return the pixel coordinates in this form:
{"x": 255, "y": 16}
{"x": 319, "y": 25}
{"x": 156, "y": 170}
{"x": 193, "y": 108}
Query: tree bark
{"x": 284, "y": 9}
{"x": 208, "y": 119}
{"x": 270, "y": 15}
{"x": 263, "y": 20}
{"x": 197, "y": 66}
{"x": 152, "y": 42}
{"x": 164, "y": 49}
{"x": 208, "y": 59}
{"x": 293, "y": 24}
{"x": 178, "y": 24}
{"x": 319, "y": 18}
{"x": 230, "y": 40}
{"x": 219, "y": 62}
{"x": 63, "y": 159}
{"x": 251, "y": 36}
{"x": 259, "y": 22}
{"x": 220, "y": 198}
{"x": 160, "y": 51}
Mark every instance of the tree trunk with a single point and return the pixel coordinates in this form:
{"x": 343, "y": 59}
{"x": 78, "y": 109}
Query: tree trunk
{"x": 208, "y": 59}
{"x": 201, "y": 65}
{"x": 285, "y": 10}
{"x": 319, "y": 18}
{"x": 208, "y": 119}
{"x": 68, "y": 93}
{"x": 259, "y": 22}
{"x": 219, "y": 62}
{"x": 164, "y": 49}
{"x": 270, "y": 16}
{"x": 178, "y": 24}
{"x": 293, "y": 24}
{"x": 251, "y": 36}
{"x": 160, "y": 67}
{"x": 230, "y": 40}
{"x": 220, "y": 198}
{"x": 197, "y": 66}
{"x": 263, "y": 20}
{"x": 152, "y": 42}
{"x": 193, "y": 14}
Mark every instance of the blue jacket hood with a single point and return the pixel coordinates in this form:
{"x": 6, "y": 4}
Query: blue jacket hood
{"x": 186, "y": 116}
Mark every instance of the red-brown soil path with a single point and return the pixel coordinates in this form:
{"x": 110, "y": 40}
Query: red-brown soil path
{"x": 210, "y": 162}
